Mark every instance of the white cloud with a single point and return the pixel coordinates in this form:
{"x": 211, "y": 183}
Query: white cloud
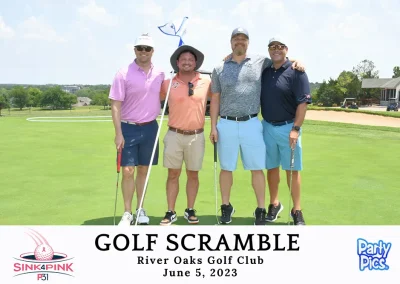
{"x": 149, "y": 8}
{"x": 5, "y": 31}
{"x": 336, "y": 3}
{"x": 33, "y": 28}
{"x": 97, "y": 14}
{"x": 350, "y": 27}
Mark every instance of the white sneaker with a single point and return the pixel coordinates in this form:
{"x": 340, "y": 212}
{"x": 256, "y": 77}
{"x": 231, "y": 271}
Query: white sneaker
{"x": 126, "y": 220}
{"x": 142, "y": 217}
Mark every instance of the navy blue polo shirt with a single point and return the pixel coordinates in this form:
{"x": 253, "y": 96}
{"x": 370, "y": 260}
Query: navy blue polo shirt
{"x": 282, "y": 90}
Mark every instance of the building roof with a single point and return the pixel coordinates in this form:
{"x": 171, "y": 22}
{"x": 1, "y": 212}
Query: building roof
{"x": 392, "y": 84}
{"x": 383, "y": 83}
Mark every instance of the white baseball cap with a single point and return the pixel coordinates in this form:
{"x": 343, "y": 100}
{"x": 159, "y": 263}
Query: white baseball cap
{"x": 277, "y": 39}
{"x": 144, "y": 39}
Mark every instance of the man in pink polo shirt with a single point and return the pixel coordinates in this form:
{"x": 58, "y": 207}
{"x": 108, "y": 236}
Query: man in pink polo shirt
{"x": 135, "y": 103}
{"x": 184, "y": 140}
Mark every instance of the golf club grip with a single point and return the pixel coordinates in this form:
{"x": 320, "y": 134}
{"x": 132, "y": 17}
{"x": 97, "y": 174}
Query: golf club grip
{"x": 118, "y": 161}
{"x": 215, "y": 152}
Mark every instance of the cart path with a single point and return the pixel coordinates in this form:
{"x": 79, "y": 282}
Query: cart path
{"x": 355, "y": 118}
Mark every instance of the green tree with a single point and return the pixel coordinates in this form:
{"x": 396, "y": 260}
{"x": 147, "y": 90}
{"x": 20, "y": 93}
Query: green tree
{"x": 366, "y": 69}
{"x": 19, "y": 96}
{"x": 4, "y": 103}
{"x": 101, "y": 99}
{"x": 35, "y": 97}
{"x": 349, "y": 84}
{"x": 53, "y": 97}
{"x": 396, "y": 72}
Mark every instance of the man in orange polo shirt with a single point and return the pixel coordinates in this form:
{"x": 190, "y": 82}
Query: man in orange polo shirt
{"x": 184, "y": 140}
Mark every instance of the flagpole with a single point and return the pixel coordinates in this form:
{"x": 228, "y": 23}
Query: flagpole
{"x": 155, "y": 146}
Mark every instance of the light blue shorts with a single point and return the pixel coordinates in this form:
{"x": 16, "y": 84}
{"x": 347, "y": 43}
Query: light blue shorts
{"x": 243, "y": 136}
{"x": 278, "y": 149}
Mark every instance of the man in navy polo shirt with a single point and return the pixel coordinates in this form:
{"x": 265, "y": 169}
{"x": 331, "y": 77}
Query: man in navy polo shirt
{"x": 285, "y": 93}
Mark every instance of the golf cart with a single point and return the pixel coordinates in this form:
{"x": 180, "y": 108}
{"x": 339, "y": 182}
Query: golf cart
{"x": 351, "y": 103}
{"x": 393, "y": 105}
{"x": 203, "y": 73}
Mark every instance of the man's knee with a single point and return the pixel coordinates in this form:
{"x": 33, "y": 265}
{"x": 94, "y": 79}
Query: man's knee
{"x": 273, "y": 174}
{"x": 192, "y": 175}
{"x": 128, "y": 172}
{"x": 142, "y": 170}
{"x": 173, "y": 174}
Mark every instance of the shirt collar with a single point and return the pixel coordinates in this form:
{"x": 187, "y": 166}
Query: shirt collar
{"x": 137, "y": 67}
{"x": 196, "y": 77}
{"x": 285, "y": 65}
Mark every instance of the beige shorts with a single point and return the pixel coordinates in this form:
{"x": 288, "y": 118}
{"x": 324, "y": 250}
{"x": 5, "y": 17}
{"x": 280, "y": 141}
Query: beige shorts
{"x": 188, "y": 148}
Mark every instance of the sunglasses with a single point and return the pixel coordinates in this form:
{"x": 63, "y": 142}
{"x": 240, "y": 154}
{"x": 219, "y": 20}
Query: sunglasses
{"x": 145, "y": 48}
{"x": 277, "y": 46}
{"x": 190, "y": 89}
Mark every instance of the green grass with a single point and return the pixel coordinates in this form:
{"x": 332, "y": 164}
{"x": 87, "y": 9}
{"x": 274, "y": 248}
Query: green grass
{"x": 381, "y": 113}
{"x": 65, "y": 174}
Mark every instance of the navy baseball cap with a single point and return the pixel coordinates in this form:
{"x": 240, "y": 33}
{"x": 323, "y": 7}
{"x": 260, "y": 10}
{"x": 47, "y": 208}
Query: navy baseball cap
{"x": 240, "y": 30}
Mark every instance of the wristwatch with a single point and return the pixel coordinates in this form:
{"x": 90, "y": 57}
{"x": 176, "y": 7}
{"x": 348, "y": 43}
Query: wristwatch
{"x": 296, "y": 128}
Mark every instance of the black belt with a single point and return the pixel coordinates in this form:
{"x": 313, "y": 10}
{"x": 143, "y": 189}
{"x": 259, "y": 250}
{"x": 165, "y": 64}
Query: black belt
{"x": 242, "y": 118}
{"x": 280, "y": 123}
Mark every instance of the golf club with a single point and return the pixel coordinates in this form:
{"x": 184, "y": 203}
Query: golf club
{"x": 155, "y": 146}
{"x": 215, "y": 181}
{"x": 290, "y": 184}
{"x": 118, "y": 170}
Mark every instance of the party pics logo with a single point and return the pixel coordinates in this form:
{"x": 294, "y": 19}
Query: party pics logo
{"x": 43, "y": 260}
{"x": 373, "y": 256}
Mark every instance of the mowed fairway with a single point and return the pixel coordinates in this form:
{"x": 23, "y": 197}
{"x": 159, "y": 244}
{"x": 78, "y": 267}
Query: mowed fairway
{"x": 64, "y": 173}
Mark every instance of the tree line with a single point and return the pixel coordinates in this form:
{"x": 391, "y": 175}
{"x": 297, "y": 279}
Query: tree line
{"x": 52, "y": 97}
{"x": 348, "y": 85}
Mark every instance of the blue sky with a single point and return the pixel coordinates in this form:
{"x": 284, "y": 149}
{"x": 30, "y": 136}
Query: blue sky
{"x": 87, "y": 41}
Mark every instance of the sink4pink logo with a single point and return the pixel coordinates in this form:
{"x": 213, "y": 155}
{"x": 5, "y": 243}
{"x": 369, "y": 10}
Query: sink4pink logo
{"x": 43, "y": 260}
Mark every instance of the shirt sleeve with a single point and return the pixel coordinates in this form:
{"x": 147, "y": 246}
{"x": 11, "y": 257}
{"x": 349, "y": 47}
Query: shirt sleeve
{"x": 266, "y": 64}
{"x": 117, "y": 90}
{"x": 215, "y": 84}
{"x": 163, "y": 90}
{"x": 302, "y": 88}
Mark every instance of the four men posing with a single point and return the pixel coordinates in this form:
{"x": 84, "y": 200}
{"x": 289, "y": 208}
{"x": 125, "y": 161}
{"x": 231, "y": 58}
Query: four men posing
{"x": 240, "y": 87}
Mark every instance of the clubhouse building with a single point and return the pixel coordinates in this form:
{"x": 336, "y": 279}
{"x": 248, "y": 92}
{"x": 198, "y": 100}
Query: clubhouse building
{"x": 390, "y": 88}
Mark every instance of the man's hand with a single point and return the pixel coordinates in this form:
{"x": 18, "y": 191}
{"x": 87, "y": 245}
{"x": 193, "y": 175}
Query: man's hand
{"x": 119, "y": 141}
{"x": 293, "y": 136}
{"x": 214, "y": 135}
{"x": 298, "y": 65}
{"x": 227, "y": 57}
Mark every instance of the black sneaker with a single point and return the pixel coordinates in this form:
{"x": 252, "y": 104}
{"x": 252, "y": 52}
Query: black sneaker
{"x": 226, "y": 213}
{"x": 170, "y": 217}
{"x": 190, "y": 216}
{"x": 298, "y": 217}
{"x": 259, "y": 214}
{"x": 273, "y": 212}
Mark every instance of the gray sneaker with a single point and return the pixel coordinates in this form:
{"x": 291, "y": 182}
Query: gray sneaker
{"x": 226, "y": 213}
{"x": 273, "y": 212}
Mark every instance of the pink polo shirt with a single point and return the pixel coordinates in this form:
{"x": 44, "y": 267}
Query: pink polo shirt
{"x": 139, "y": 93}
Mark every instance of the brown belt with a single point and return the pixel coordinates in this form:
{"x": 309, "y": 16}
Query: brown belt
{"x": 135, "y": 123}
{"x": 186, "y": 132}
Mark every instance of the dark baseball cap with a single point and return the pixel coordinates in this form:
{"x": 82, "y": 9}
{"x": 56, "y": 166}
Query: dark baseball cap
{"x": 240, "y": 30}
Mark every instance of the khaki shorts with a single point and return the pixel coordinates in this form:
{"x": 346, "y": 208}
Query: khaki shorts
{"x": 188, "y": 148}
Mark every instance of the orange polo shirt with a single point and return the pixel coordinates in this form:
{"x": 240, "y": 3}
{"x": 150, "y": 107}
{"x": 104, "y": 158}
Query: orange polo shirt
{"x": 186, "y": 112}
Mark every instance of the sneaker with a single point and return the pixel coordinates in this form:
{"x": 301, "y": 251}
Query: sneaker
{"x": 260, "y": 214}
{"x": 273, "y": 212}
{"x": 143, "y": 219}
{"x": 227, "y": 212}
{"x": 126, "y": 220}
{"x": 190, "y": 216}
{"x": 298, "y": 218}
{"x": 170, "y": 217}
